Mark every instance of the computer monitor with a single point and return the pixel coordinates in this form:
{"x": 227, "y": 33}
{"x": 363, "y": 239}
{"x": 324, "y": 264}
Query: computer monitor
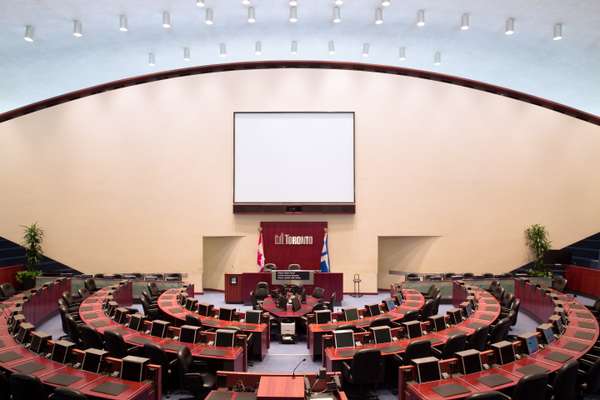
{"x": 557, "y": 324}
{"x": 136, "y": 322}
{"x": 225, "y": 337}
{"x": 17, "y": 320}
{"x": 344, "y": 338}
{"x": 504, "y": 352}
{"x": 467, "y": 308}
{"x": 92, "y": 360}
{"x": 189, "y": 333}
{"x": 159, "y": 328}
{"x": 282, "y": 302}
{"x": 132, "y": 368}
{"x": 547, "y": 332}
{"x": 413, "y": 329}
{"x": 121, "y": 315}
{"x": 562, "y": 314}
{"x": 350, "y": 314}
{"x": 390, "y": 304}
{"x": 111, "y": 308}
{"x": 469, "y": 361}
{"x": 529, "y": 342}
{"x": 206, "y": 310}
{"x": 373, "y": 309}
{"x": 438, "y": 323}
{"x": 455, "y": 315}
{"x": 39, "y": 341}
{"x": 182, "y": 298}
{"x": 323, "y": 316}
{"x": 24, "y": 332}
{"x": 253, "y": 316}
{"x": 428, "y": 369}
{"x": 191, "y": 304}
{"x": 60, "y": 350}
{"x": 226, "y": 314}
{"x": 382, "y": 334}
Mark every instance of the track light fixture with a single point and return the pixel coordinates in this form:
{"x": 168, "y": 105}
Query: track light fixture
{"x": 208, "y": 16}
{"x": 123, "y": 26}
{"x": 510, "y": 27}
{"x": 251, "y": 15}
{"x": 293, "y": 14}
{"x": 77, "y": 29}
{"x": 166, "y": 20}
{"x": 337, "y": 15}
{"x": 28, "y": 33}
{"x": 421, "y": 18}
{"x": 187, "y": 56}
{"x": 465, "y": 22}
{"x": 378, "y": 16}
{"x": 557, "y": 32}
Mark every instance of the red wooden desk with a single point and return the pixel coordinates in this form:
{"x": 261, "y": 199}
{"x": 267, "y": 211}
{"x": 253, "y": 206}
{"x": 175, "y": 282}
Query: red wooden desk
{"x": 583, "y": 280}
{"x": 305, "y": 308}
{"x": 132, "y": 390}
{"x": 280, "y": 387}
{"x": 426, "y": 390}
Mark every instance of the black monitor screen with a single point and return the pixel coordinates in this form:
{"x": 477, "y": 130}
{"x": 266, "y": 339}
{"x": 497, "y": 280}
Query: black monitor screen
{"x": 455, "y": 315}
{"x": 428, "y": 369}
{"x": 532, "y": 344}
{"x": 205, "y": 309}
{"x": 60, "y": 350}
{"x": 224, "y": 338}
{"x": 557, "y": 324}
{"x": 382, "y": 334}
{"x": 253, "y": 316}
{"x": 132, "y": 368}
{"x": 344, "y": 338}
{"x": 23, "y": 333}
{"x": 226, "y": 314}
{"x": 470, "y": 361}
{"x": 438, "y": 323}
{"x": 374, "y": 309}
{"x": 188, "y": 333}
{"x": 323, "y": 316}
{"x": 350, "y": 314}
{"x": 159, "y": 328}
{"x": 38, "y": 341}
{"x": 390, "y": 304}
{"x": 136, "y": 322}
{"x": 547, "y": 333}
{"x": 92, "y": 360}
{"x": 191, "y": 304}
{"x": 505, "y": 352}
{"x": 413, "y": 329}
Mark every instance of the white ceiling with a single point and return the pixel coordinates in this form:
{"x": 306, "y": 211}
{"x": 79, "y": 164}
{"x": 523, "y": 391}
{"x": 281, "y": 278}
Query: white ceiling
{"x": 565, "y": 71}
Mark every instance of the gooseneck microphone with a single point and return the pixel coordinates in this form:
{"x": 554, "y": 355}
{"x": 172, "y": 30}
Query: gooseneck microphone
{"x": 297, "y": 365}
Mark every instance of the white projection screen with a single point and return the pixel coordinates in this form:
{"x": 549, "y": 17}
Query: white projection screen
{"x": 293, "y": 158}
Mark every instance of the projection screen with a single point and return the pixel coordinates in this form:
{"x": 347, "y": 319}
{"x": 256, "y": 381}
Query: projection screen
{"x": 294, "y": 157}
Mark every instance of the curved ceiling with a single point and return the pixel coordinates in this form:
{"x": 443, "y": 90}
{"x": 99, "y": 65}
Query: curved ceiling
{"x": 566, "y": 71}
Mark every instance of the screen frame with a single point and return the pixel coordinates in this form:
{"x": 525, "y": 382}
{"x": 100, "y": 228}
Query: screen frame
{"x": 296, "y": 207}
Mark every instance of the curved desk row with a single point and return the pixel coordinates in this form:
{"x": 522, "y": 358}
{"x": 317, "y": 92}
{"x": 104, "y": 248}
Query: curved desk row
{"x": 92, "y": 313}
{"x": 37, "y": 305}
{"x": 579, "y": 337}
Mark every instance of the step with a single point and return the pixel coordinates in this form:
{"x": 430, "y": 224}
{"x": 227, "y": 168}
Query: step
{"x": 585, "y": 262}
{"x": 588, "y": 243}
{"x": 12, "y": 260}
{"x": 584, "y": 252}
{"x": 5, "y": 244}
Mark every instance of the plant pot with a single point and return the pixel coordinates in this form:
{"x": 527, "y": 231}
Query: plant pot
{"x": 27, "y": 283}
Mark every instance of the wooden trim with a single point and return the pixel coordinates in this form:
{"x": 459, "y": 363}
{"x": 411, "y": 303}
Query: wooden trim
{"x": 386, "y": 69}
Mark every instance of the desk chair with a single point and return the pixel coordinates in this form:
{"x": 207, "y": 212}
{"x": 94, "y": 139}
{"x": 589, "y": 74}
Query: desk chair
{"x": 90, "y": 284}
{"x": 564, "y": 385}
{"x": 531, "y": 387}
{"x": 588, "y": 376}
{"x": 499, "y": 331}
{"x": 193, "y": 320}
{"x": 158, "y": 356}
{"x": 116, "y": 346}
{"x": 70, "y": 299}
{"x": 6, "y": 291}
{"x": 412, "y": 277}
{"x": 455, "y": 343}
{"x": 294, "y": 267}
{"x": 436, "y": 303}
{"x": 488, "y": 396}
{"x": 428, "y": 309}
{"x": 270, "y": 267}
{"x": 411, "y": 316}
{"x": 417, "y": 349}
{"x": 66, "y": 394}
{"x": 478, "y": 339}
{"x": 26, "y": 387}
{"x": 153, "y": 289}
{"x": 90, "y": 338}
{"x": 382, "y": 322}
{"x": 151, "y": 312}
{"x": 318, "y": 292}
{"x": 193, "y": 375}
{"x": 4, "y": 387}
{"x": 83, "y": 292}
{"x": 365, "y": 370}
{"x": 73, "y": 330}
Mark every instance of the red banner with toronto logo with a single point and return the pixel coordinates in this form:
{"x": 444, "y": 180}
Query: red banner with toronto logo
{"x": 286, "y": 243}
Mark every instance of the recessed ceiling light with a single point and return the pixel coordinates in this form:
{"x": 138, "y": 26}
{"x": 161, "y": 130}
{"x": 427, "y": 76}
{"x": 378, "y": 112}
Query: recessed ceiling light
{"x": 437, "y": 58}
{"x": 208, "y": 16}
{"x": 421, "y": 18}
{"x": 365, "y": 50}
{"x": 386, "y": 3}
{"x": 293, "y": 14}
{"x": 339, "y": 2}
{"x": 222, "y": 50}
{"x": 337, "y": 15}
{"x": 200, "y": 3}
{"x": 28, "y": 33}
{"x": 293, "y": 3}
{"x": 123, "y": 26}
{"x": 187, "y": 55}
{"x": 402, "y": 53}
{"x": 166, "y": 20}
{"x": 251, "y": 15}
{"x": 465, "y": 22}
{"x": 557, "y": 32}
{"x": 379, "y": 16}
{"x": 331, "y": 47}
{"x": 294, "y": 47}
{"x": 151, "y": 59}
{"x": 510, "y": 27}
{"x": 77, "y": 29}
{"x": 258, "y": 48}
{"x": 246, "y": 2}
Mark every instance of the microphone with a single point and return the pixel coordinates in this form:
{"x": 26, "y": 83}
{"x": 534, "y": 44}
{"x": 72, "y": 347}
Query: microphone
{"x": 294, "y": 371}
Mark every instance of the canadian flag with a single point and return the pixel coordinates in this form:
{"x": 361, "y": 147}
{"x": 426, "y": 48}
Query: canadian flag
{"x": 260, "y": 253}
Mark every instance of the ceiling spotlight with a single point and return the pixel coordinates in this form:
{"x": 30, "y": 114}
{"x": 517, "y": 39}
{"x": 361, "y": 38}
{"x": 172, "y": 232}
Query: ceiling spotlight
{"x": 331, "y": 47}
{"x": 421, "y": 18}
{"x": 251, "y": 15}
{"x": 123, "y": 26}
{"x": 258, "y": 48}
{"x": 200, "y": 3}
{"x": 557, "y": 32}
{"x": 339, "y": 2}
{"x": 208, "y": 16}
{"x": 187, "y": 54}
{"x": 386, "y": 3}
{"x": 293, "y": 14}
{"x": 510, "y": 26}
{"x": 151, "y": 60}
{"x": 28, "y": 33}
{"x": 437, "y": 58}
{"x": 365, "y": 50}
{"x": 337, "y": 15}
{"x": 166, "y": 20}
{"x": 465, "y": 22}
{"x": 293, "y": 3}
{"x": 246, "y": 2}
{"x": 378, "y": 16}
{"x": 294, "y": 47}
{"x": 222, "y": 50}
{"x": 77, "y": 32}
{"x": 402, "y": 53}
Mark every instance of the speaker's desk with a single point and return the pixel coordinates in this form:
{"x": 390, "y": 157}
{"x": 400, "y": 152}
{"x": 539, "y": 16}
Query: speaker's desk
{"x": 239, "y": 286}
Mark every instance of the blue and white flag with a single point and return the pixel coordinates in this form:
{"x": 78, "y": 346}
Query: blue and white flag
{"x": 325, "y": 255}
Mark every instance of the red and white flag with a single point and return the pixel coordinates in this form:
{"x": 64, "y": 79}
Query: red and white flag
{"x": 260, "y": 253}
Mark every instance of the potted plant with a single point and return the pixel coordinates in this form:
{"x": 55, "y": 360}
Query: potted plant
{"x": 32, "y": 241}
{"x": 539, "y": 244}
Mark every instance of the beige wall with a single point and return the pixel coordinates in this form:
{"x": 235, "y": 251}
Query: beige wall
{"x": 134, "y": 179}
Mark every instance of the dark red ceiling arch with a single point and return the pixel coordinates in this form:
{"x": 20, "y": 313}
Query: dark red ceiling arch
{"x": 386, "y": 69}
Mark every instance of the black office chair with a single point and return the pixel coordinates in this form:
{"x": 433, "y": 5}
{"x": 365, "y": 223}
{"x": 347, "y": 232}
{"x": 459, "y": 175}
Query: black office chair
{"x": 468, "y": 275}
{"x": 26, "y": 387}
{"x": 411, "y": 316}
{"x": 318, "y": 292}
{"x": 73, "y": 309}
{"x": 385, "y": 321}
{"x": 514, "y": 312}
{"x": 73, "y": 330}
{"x": 412, "y": 277}
{"x": 71, "y": 300}
{"x": 416, "y": 349}
{"x": 588, "y": 381}
{"x": 90, "y": 284}
{"x": 153, "y": 289}
{"x": 83, "y": 292}
{"x": 193, "y": 320}
{"x": 90, "y": 338}
{"x": 67, "y": 394}
{"x": 366, "y": 370}
{"x": 499, "y": 331}
{"x": 427, "y": 310}
{"x": 455, "y": 343}
{"x": 116, "y": 346}
{"x": 487, "y": 275}
{"x": 4, "y": 387}
{"x": 564, "y": 385}
{"x": 478, "y": 339}
{"x": 7, "y": 290}
{"x": 173, "y": 277}
{"x": 531, "y": 387}
{"x": 158, "y": 356}
{"x": 193, "y": 375}
{"x": 488, "y": 396}
{"x": 270, "y": 267}
{"x": 151, "y": 312}
{"x": 428, "y": 294}
{"x": 436, "y": 306}
{"x": 294, "y": 267}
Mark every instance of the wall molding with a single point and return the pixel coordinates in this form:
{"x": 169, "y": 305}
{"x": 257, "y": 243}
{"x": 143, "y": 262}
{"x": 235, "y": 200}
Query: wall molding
{"x": 386, "y": 69}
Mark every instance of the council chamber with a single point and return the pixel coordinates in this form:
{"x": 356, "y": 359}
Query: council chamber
{"x": 299, "y": 199}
